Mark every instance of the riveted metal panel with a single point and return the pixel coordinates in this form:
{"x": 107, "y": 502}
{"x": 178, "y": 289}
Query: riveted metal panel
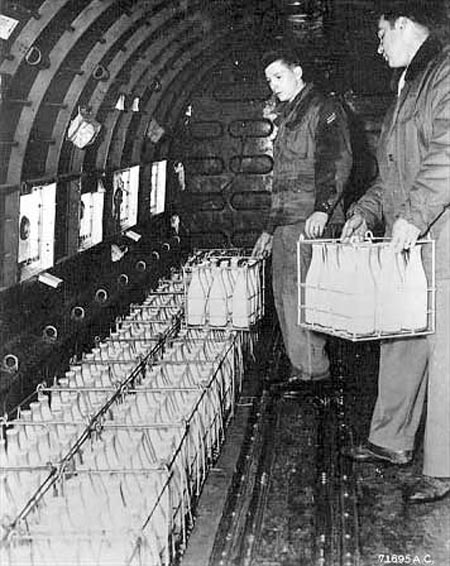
{"x": 250, "y": 200}
{"x": 9, "y": 237}
{"x": 240, "y": 92}
{"x": 251, "y": 164}
{"x": 120, "y": 127}
{"x": 48, "y": 11}
{"x": 172, "y": 79}
{"x": 56, "y": 56}
{"x": 245, "y": 238}
{"x": 247, "y": 128}
{"x": 55, "y": 156}
{"x": 211, "y": 202}
{"x": 67, "y": 218}
{"x": 243, "y": 214}
{"x": 207, "y": 183}
{"x": 213, "y": 165}
{"x": 207, "y": 129}
{"x": 209, "y": 237}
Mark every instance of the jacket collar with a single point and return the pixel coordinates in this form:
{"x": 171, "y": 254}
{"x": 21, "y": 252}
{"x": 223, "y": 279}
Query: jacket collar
{"x": 429, "y": 49}
{"x": 289, "y": 111}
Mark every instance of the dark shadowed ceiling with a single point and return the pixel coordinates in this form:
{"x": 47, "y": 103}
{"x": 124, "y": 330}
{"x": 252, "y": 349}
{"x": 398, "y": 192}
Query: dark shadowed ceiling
{"x": 63, "y": 54}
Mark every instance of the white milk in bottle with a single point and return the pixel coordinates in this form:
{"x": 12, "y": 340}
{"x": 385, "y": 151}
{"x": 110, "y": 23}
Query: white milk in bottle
{"x": 415, "y": 291}
{"x": 252, "y": 290}
{"x": 217, "y": 304}
{"x": 196, "y": 299}
{"x": 328, "y": 295}
{"x": 364, "y": 305}
{"x": 240, "y": 303}
{"x": 312, "y": 284}
{"x": 390, "y": 290}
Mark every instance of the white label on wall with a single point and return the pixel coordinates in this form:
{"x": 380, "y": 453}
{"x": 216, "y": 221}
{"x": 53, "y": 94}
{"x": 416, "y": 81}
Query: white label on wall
{"x": 37, "y": 230}
{"x": 158, "y": 187}
{"x": 125, "y": 199}
{"x": 7, "y": 26}
{"x": 91, "y": 218}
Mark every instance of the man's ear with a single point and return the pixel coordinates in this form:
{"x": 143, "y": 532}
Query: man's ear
{"x": 298, "y": 71}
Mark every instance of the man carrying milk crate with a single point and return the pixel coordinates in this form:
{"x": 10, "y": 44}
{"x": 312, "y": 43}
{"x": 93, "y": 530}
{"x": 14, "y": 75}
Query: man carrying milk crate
{"x": 412, "y": 196}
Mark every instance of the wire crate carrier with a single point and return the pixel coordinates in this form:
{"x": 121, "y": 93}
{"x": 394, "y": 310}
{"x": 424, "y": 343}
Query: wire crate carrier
{"x": 224, "y": 288}
{"x": 363, "y": 290}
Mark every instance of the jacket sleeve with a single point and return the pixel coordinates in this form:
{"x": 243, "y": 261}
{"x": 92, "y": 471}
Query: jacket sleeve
{"x": 333, "y": 156}
{"x": 370, "y": 205}
{"x": 430, "y": 191}
{"x": 271, "y": 221}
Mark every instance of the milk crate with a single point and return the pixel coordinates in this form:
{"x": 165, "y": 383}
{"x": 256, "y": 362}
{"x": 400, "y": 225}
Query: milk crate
{"x": 224, "y": 288}
{"x": 362, "y": 290}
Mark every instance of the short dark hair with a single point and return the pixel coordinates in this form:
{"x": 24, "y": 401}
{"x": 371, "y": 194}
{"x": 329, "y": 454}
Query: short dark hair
{"x": 428, "y": 13}
{"x": 285, "y": 53}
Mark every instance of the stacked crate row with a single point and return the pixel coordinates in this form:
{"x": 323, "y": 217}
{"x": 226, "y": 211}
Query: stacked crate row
{"x": 106, "y": 465}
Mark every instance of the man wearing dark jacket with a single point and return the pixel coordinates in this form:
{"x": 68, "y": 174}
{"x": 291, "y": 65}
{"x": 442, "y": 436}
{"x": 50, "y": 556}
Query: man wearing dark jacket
{"x": 412, "y": 197}
{"x": 312, "y": 161}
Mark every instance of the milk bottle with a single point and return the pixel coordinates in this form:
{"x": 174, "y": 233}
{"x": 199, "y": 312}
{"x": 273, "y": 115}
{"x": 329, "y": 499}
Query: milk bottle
{"x": 415, "y": 291}
{"x": 206, "y": 276}
{"x": 252, "y": 291}
{"x": 312, "y": 285}
{"x": 390, "y": 290}
{"x": 234, "y": 270}
{"x": 364, "y": 305}
{"x": 328, "y": 293}
{"x": 255, "y": 290}
{"x": 217, "y": 304}
{"x": 343, "y": 286}
{"x": 228, "y": 282}
{"x": 240, "y": 303}
{"x": 196, "y": 299}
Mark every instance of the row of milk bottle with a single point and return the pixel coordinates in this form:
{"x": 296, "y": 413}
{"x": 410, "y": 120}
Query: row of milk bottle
{"x": 224, "y": 291}
{"x": 99, "y": 508}
{"x": 46, "y": 431}
{"x": 366, "y": 288}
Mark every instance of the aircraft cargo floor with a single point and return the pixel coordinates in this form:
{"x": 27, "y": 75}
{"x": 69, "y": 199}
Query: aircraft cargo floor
{"x": 282, "y": 494}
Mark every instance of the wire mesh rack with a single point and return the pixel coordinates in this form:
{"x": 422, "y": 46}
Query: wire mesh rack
{"x": 105, "y": 465}
{"x": 224, "y": 288}
{"x": 363, "y": 290}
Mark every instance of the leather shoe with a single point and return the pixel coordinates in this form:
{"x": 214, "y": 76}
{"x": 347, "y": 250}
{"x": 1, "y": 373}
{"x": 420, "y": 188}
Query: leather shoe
{"x": 299, "y": 383}
{"x": 369, "y": 452}
{"x": 428, "y": 490}
{"x": 302, "y": 389}
{"x": 298, "y": 376}
{"x": 296, "y": 379}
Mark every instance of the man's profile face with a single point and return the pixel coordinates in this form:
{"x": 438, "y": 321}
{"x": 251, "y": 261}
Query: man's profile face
{"x": 392, "y": 45}
{"x": 284, "y": 81}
